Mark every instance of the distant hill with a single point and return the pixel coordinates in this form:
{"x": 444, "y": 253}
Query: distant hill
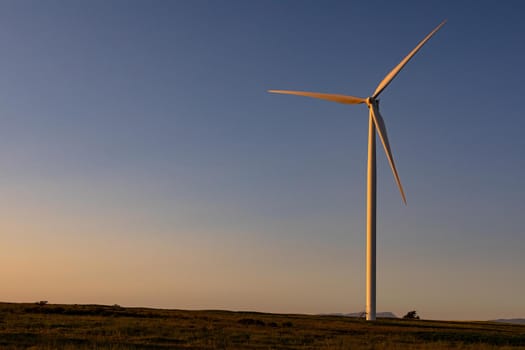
{"x": 511, "y": 320}
{"x": 361, "y": 314}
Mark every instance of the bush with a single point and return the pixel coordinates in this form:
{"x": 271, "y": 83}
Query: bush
{"x": 251, "y": 322}
{"x": 411, "y": 315}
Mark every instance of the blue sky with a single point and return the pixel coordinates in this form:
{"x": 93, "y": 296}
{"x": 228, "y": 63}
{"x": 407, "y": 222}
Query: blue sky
{"x": 143, "y": 162}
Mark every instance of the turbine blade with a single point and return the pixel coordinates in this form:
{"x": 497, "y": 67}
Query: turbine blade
{"x": 381, "y": 130}
{"x": 351, "y": 100}
{"x": 390, "y": 76}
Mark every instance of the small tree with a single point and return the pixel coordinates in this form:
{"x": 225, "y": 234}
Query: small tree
{"x": 411, "y": 315}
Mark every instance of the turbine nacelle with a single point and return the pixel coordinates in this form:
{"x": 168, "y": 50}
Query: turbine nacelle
{"x": 370, "y": 101}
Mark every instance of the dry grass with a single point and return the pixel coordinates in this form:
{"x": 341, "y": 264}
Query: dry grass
{"x": 30, "y": 326}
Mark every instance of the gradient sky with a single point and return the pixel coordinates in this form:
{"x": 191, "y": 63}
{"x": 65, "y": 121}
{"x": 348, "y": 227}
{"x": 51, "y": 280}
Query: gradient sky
{"x": 144, "y": 164}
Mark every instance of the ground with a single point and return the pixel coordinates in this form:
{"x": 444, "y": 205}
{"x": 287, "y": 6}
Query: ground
{"x": 33, "y": 326}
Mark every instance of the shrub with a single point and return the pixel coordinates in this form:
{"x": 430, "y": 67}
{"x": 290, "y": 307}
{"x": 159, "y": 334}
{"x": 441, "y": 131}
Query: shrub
{"x": 411, "y": 315}
{"x": 251, "y": 321}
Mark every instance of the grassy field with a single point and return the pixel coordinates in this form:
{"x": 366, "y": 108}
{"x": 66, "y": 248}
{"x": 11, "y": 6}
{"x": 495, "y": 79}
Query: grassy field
{"x": 32, "y": 326}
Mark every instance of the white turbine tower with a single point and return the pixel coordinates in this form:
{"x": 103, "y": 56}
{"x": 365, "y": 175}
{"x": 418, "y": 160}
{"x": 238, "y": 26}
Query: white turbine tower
{"x": 375, "y": 123}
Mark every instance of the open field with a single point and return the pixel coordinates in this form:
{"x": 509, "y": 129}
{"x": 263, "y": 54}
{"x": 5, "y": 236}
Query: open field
{"x": 31, "y": 326}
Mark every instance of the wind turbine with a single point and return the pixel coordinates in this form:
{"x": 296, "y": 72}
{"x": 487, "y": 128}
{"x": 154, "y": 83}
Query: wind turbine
{"x": 376, "y": 123}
